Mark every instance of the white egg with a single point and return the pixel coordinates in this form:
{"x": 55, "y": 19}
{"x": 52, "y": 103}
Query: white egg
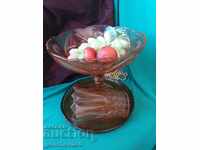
{"x": 122, "y": 52}
{"x": 73, "y": 56}
{"x": 83, "y": 46}
{"x": 73, "y": 51}
{"x": 102, "y": 40}
{"x": 80, "y": 51}
{"x": 120, "y": 43}
{"x": 80, "y": 56}
{"x": 91, "y": 40}
{"x": 116, "y": 43}
{"x": 124, "y": 43}
{"x": 95, "y": 43}
{"x": 109, "y": 35}
{"x": 109, "y": 28}
{"x": 76, "y": 53}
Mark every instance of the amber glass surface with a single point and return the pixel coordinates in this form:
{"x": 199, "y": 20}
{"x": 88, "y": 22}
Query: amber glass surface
{"x": 96, "y": 104}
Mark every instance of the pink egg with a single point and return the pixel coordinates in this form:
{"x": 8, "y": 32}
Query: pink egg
{"x": 90, "y": 54}
{"x": 107, "y": 54}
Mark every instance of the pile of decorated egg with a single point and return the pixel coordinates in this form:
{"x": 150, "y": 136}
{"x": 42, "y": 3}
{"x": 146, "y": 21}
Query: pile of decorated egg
{"x": 112, "y": 45}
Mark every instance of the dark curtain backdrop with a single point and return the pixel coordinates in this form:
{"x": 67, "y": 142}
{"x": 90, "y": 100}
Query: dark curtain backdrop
{"x": 64, "y": 15}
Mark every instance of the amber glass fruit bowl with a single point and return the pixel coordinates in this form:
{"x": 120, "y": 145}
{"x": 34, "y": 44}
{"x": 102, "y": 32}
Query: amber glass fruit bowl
{"x": 78, "y": 36}
{"x": 97, "y": 104}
